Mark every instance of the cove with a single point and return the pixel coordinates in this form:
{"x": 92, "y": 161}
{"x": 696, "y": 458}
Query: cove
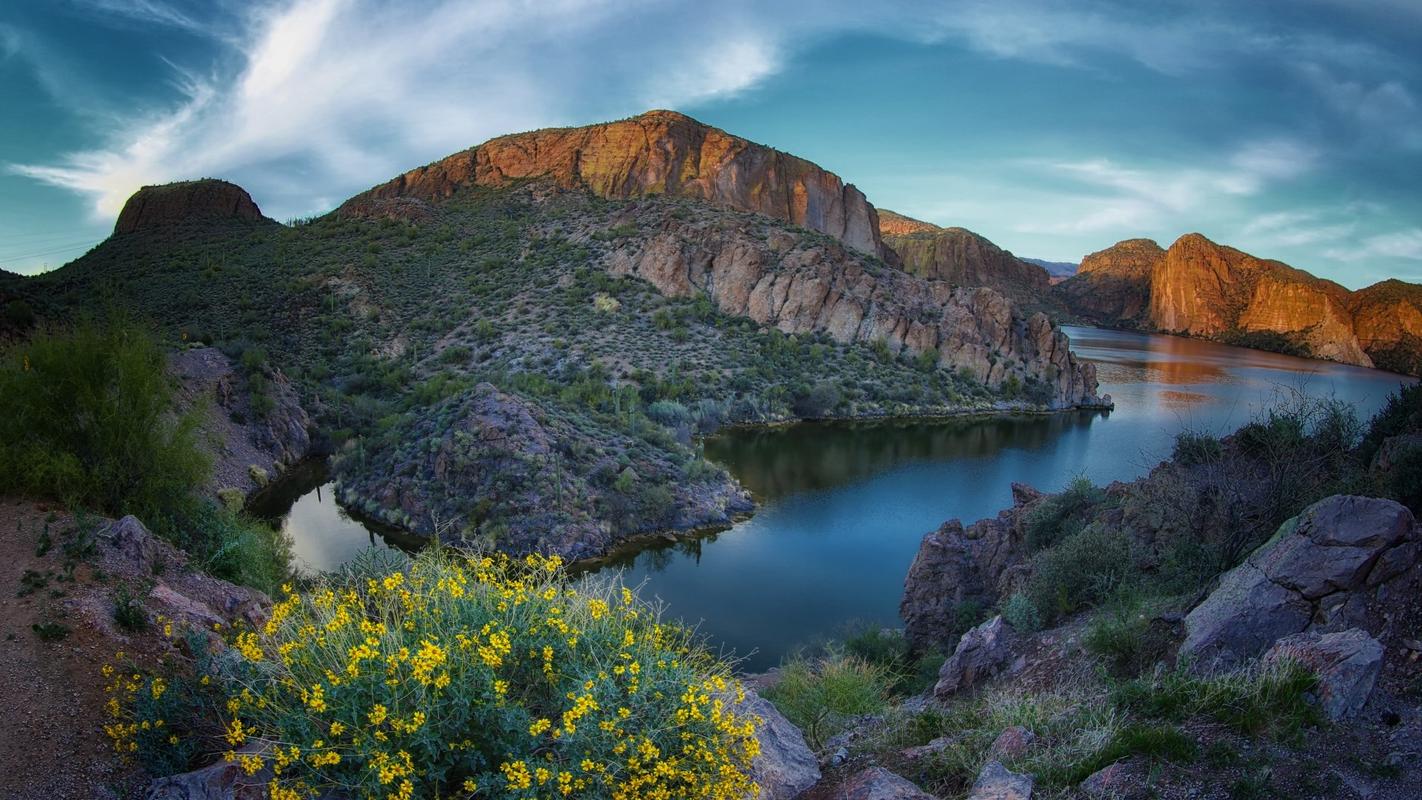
{"x": 841, "y": 507}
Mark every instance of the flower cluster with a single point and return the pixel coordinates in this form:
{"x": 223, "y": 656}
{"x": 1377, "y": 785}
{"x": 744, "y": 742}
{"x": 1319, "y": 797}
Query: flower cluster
{"x": 483, "y": 676}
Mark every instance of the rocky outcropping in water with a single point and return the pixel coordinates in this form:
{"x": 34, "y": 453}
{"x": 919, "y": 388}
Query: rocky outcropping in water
{"x": 656, "y": 153}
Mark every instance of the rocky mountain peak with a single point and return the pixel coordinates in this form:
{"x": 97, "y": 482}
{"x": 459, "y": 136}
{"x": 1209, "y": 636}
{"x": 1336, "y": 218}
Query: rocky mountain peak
{"x": 1128, "y": 257}
{"x": 892, "y": 223}
{"x": 656, "y": 153}
{"x": 185, "y": 201}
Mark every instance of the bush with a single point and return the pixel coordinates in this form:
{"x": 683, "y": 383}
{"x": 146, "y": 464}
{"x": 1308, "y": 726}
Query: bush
{"x": 1079, "y": 572}
{"x": 88, "y": 421}
{"x": 464, "y": 673}
{"x": 227, "y": 544}
{"x": 1193, "y": 448}
{"x": 908, "y": 672}
{"x": 1021, "y": 614}
{"x": 1125, "y": 637}
{"x": 817, "y": 401}
{"x": 821, "y": 696}
{"x": 1061, "y": 515}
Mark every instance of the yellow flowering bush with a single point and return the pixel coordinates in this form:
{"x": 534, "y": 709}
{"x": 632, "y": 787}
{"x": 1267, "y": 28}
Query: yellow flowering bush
{"x": 482, "y": 676}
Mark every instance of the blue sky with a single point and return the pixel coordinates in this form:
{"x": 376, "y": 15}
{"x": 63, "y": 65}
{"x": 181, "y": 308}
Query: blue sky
{"x": 1290, "y": 129}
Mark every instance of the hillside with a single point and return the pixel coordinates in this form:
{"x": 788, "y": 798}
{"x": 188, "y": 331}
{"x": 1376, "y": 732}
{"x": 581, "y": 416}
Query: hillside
{"x": 1199, "y": 288}
{"x": 525, "y": 355}
{"x": 1057, "y": 270}
{"x": 962, "y": 258}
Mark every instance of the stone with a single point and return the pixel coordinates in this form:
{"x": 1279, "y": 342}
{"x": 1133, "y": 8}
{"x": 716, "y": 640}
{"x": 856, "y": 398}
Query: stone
{"x": 1317, "y": 572}
{"x": 224, "y": 780}
{"x": 997, "y": 782}
{"x": 877, "y": 783}
{"x": 1013, "y": 743}
{"x": 1113, "y": 782}
{"x": 981, "y": 653}
{"x": 131, "y": 544}
{"x": 786, "y": 766}
{"x": 1347, "y": 664}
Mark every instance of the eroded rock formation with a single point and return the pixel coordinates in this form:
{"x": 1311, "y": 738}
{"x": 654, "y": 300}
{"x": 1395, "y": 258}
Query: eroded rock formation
{"x": 656, "y": 153}
{"x": 173, "y": 203}
{"x": 963, "y": 258}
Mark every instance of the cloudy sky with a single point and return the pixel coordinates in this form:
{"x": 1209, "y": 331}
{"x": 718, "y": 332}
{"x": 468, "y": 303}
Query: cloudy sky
{"x": 1291, "y": 129}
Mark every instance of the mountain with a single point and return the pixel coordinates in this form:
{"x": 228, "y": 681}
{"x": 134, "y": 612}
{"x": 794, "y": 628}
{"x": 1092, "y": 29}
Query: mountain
{"x": 1058, "y": 270}
{"x": 1199, "y": 288}
{"x": 961, "y": 257}
{"x": 518, "y": 344}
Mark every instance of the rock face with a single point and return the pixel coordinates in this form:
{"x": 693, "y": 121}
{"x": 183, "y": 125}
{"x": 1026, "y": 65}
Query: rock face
{"x": 205, "y": 200}
{"x": 262, "y": 426}
{"x": 963, "y": 258}
{"x": 1319, "y": 573}
{"x": 982, "y": 653}
{"x": 659, "y": 152}
{"x": 997, "y": 782}
{"x": 786, "y": 766}
{"x": 1203, "y": 289}
{"x": 894, "y": 224}
{"x": 799, "y": 286}
{"x": 1346, "y": 663}
{"x": 955, "y": 565}
{"x": 877, "y": 783}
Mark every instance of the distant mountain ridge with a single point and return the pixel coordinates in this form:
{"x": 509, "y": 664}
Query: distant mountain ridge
{"x": 1199, "y": 288}
{"x": 961, "y": 257}
{"x": 1056, "y": 269}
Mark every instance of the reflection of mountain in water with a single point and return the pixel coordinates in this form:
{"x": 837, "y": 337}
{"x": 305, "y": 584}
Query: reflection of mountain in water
{"x": 813, "y": 456}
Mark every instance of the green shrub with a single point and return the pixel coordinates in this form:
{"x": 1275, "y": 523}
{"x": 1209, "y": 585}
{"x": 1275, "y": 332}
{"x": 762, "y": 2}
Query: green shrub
{"x": 1193, "y": 448}
{"x": 128, "y": 610}
{"x": 1270, "y": 699}
{"x": 1021, "y": 613}
{"x": 1125, "y": 637}
{"x": 458, "y": 675}
{"x": 909, "y": 672}
{"x": 1061, "y": 515}
{"x": 88, "y": 421}
{"x": 1079, "y": 573}
{"x": 227, "y": 544}
{"x": 820, "y": 696}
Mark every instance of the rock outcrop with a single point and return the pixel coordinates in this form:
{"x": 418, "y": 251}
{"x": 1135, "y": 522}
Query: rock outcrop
{"x": 799, "y": 286}
{"x": 982, "y": 653}
{"x": 957, "y": 565}
{"x": 877, "y": 783}
{"x": 786, "y": 766}
{"x": 1203, "y": 289}
{"x": 248, "y": 421}
{"x": 205, "y": 201}
{"x": 1322, "y": 571}
{"x": 656, "y": 153}
{"x": 894, "y": 224}
{"x": 963, "y": 258}
{"x": 997, "y": 782}
{"x": 1346, "y": 663}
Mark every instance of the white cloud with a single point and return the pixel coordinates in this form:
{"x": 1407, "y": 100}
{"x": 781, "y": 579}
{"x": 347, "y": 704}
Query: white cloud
{"x": 1404, "y": 244}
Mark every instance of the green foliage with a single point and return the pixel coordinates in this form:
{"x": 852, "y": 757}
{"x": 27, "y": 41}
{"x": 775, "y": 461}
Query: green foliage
{"x": 1125, "y": 637}
{"x": 19, "y": 314}
{"x": 88, "y": 421}
{"x": 820, "y": 696}
{"x": 128, "y": 610}
{"x": 910, "y": 673}
{"x": 1193, "y": 448}
{"x": 1272, "y": 699}
{"x": 1021, "y": 613}
{"x": 1079, "y": 572}
{"x": 225, "y": 543}
{"x": 1063, "y": 515}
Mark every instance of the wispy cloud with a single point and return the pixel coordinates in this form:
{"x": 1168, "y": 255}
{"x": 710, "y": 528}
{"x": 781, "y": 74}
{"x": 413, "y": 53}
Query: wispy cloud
{"x": 1404, "y": 244}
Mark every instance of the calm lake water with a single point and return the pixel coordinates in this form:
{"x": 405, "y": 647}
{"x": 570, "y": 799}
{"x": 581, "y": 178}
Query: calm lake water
{"x": 842, "y": 507}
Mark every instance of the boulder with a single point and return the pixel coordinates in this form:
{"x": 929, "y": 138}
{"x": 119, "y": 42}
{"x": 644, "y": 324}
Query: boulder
{"x": 1012, "y": 743}
{"x": 997, "y": 782}
{"x": 1346, "y": 663}
{"x": 1116, "y": 781}
{"x": 1320, "y": 571}
{"x": 786, "y": 766}
{"x": 982, "y": 653}
{"x": 224, "y": 780}
{"x": 877, "y": 783}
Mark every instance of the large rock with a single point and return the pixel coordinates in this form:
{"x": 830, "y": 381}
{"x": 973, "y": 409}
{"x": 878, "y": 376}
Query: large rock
{"x": 956, "y": 565}
{"x": 1346, "y": 663}
{"x": 188, "y": 201}
{"x": 964, "y": 258}
{"x": 877, "y": 783}
{"x": 656, "y": 153}
{"x": 997, "y": 782}
{"x": 786, "y": 766}
{"x": 1320, "y": 571}
{"x": 982, "y": 653}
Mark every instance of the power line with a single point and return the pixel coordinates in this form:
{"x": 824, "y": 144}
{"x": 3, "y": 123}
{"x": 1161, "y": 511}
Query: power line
{"x": 84, "y": 245}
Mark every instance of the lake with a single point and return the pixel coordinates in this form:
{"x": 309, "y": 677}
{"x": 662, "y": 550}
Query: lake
{"x": 842, "y": 506}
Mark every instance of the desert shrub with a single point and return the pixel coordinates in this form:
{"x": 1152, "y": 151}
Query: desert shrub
{"x": 1272, "y": 699}
{"x": 816, "y": 401}
{"x": 1403, "y": 481}
{"x": 1061, "y": 515}
{"x": 1125, "y": 637}
{"x": 225, "y": 543}
{"x": 1079, "y": 573}
{"x": 464, "y": 674}
{"x": 669, "y": 413}
{"x": 821, "y": 695}
{"x": 163, "y": 719}
{"x": 1401, "y": 414}
{"x": 1193, "y": 448}
{"x": 1021, "y": 613}
{"x": 909, "y": 672}
{"x": 88, "y": 420}
{"x": 19, "y": 314}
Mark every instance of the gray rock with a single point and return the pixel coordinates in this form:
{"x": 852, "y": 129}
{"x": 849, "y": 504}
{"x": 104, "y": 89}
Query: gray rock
{"x": 997, "y": 782}
{"x": 982, "y": 653}
{"x": 1113, "y": 782}
{"x": 224, "y": 780}
{"x": 1320, "y": 571}
{"x": 1347, "y": 664}
{"x": 877, "y": 783}
{"x": 786, "y": 766}
{"x": 1012, "y": 743}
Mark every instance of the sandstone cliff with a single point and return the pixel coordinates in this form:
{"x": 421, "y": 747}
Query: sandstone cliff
{"x": 1387, "y": 318}
{"x": 800, "y": 286}
{"x": 189, "y": 201}
{"x": 659, "y": 152}
{"x": 1203, "y": 289}
{"x": 962, "y": 258}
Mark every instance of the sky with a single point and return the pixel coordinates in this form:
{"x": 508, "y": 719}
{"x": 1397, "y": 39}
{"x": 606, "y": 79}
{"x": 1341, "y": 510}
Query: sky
{"x": 1291, "y": 129}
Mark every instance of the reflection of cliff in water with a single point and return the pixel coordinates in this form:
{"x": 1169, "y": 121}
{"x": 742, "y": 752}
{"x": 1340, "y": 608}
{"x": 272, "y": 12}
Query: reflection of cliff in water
{"x": 774, "y": 462}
